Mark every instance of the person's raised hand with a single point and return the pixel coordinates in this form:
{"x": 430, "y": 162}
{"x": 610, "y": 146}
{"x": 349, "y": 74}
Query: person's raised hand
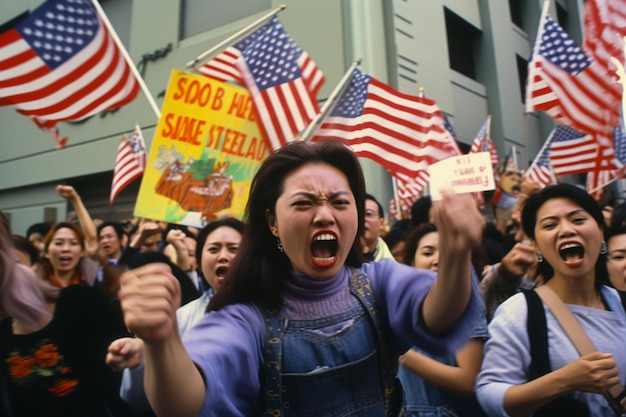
{"x": 459, "y": 222}
{"x": 150, "y": 296}
{"x": 125, "y": 352}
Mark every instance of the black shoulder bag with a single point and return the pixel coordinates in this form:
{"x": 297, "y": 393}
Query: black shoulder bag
{"x": 540, "y": 364}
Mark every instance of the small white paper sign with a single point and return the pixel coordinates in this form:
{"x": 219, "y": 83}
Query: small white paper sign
{"x": 463, "y": 173}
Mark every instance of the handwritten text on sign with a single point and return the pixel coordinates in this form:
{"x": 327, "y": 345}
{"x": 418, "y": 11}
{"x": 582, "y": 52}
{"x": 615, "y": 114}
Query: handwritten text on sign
{"x": 463, "y": 173}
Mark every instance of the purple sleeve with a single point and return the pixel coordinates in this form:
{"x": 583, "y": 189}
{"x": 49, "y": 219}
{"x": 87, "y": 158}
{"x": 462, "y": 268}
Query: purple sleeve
{"x": 400, "y": 291}
{"x": 227, "y": 346}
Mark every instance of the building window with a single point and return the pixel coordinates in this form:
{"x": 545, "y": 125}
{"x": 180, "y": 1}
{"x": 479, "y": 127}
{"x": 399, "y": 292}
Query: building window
{"x": 463, "y": 41}
{"x": 120, "y": 13}
{"x": 562, "y": 16}
{"x": 517, "y": 15}
{"x": 200, "y": 16}
{"x": 522, "y": 74}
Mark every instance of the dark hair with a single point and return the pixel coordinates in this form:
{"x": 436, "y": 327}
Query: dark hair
{"x": 398, "y": 232}
{"x": 181, "y": 227}
{"x": 188, "y": 291}
{"x": 41, "y": 228}
{"x": 231, "y": 222}
{"x": 381, "y": 212}
{"x": 615, "y": 231}
{"x": 257, "y": 273}
{"x": 420, "y": 210}
{"x": 412, "y": 241}
{"x": 578, "y": 196}
{"x": 24, "y": 245}
{"x": 618, "y": 217}
{"x": 119, "y": 229}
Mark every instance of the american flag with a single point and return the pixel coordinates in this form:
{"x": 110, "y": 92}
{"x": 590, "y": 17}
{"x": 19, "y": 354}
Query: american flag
{"x": 572, "y": 152}
{"x": 130, "y": 162}
{"x": 483, "y": 143}
{"x": 223, "y": 66}
{"x": 619, "y": 139}
{"x": 566, "y": 84}
{"x": 403, "y": 133}
{"x": 605, "y": 28}
{"x": 409, "y": 189}
{"x": 540, "y": 170}
{"x": 283, "y": 82}
{"x": 61, "y": 63}
{"x": 609, "y": 169}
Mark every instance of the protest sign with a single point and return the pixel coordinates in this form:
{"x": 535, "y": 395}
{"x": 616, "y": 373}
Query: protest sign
{"x": 204, "y": 154}
{"x": 462, "y": 173}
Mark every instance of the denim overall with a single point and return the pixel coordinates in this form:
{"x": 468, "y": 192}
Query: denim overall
{"x": 422, "y": 399}
{"x": 347, "y": 373}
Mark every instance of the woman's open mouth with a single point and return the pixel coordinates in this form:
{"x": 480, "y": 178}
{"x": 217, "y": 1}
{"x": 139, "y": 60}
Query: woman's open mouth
{"x": 324, "y": 249}
{"x": 572, "y": 253}
{"x": 220, "y": 272}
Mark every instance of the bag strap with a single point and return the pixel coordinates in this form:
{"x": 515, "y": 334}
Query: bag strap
{"x": 575, "y": 332}
{"x": 537, "y": 330}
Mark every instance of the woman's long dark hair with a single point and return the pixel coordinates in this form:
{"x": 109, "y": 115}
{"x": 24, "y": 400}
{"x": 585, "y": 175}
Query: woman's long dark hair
{"x": 578, "y": 196}
{"x": 258, "y": 272}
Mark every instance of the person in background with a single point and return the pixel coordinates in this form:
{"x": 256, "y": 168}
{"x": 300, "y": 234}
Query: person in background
{"x": 111, "y": 241}
{"x": 395, "y": 237}
{"x": 52, "y": 345}
{"x": 565, "y": 226}
{"x": 374, "y": 247}
{"x": 218, "y": 243}
{"x": 36, "y": 232}
{"x": 25, "y": 252}
{"x": 300, "y": 312}
{"x": 181, "y": 247}
{"x": 420, "y": 211}
{"x": 516, "y": 270}
{"x": 616, "y": 257}
{"x": 64, "y": 253}
{"x": 436, "y": 385}
{"x": 145, "y": 238}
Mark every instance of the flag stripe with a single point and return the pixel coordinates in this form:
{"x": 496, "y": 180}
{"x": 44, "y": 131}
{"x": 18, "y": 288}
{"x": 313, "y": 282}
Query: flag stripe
{"x": 130, "y": 162}
{"x": 61, "y": 63}
{"x": 568, "y": 85}
{"x": 223, "y": 67}
{"x": 403, "y": 133}
{"x": 285, "y": 97}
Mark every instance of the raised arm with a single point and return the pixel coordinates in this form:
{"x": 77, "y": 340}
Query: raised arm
{"x": 150, "y": 296}
{"x": 460, "y": 226}
{"x": 84, "y": 218}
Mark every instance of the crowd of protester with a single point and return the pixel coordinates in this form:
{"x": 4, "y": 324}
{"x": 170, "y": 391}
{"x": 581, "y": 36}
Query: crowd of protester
{"x": 147, "y": 318}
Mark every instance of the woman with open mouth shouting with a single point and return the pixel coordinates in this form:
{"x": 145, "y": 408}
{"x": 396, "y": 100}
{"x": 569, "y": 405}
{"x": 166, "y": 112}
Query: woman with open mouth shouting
{"x": 68, "y": 248}
{"x": 301, "y": 326}
{"x": 530, "y": 364}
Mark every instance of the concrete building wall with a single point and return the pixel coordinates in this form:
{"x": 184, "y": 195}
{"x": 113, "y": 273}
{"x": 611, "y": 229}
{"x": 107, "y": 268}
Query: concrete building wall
{"x": 401, "y": 42}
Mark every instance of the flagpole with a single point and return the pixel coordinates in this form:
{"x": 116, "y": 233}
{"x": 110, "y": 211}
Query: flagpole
{"x": 396, "y": 198}
{"x": 236, "y": 37}
{"x": 487, "y": 133}
{"x": 543, "y": 148}
{"x": 615, "y": 178}
{"x": 330, "y": 103}
{"x": 127, "y": 57}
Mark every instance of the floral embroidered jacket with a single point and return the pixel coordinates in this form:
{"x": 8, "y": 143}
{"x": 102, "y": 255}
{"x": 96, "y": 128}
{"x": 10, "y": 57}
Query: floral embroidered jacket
{"x": 60, "y": 369}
